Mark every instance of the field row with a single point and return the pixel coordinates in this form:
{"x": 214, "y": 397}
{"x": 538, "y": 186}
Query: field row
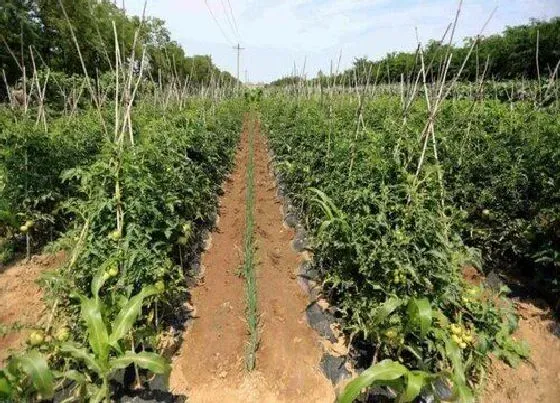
{"x": 398, "y": 220}
{"x": 128, "y": 207}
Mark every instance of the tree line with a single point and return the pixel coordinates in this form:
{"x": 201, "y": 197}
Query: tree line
{"x": 37, "y": 32}
{"x": 506, "y": 56}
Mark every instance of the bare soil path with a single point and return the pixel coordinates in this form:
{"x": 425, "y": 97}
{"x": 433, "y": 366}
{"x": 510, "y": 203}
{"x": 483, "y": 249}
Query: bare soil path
{"x": 210, "y": 365}
{"x": 20, "y": 299}
{"x": 538, "y": 379}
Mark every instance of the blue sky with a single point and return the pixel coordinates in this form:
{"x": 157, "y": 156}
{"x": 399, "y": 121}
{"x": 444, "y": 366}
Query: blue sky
{"x": 279, "y": 34}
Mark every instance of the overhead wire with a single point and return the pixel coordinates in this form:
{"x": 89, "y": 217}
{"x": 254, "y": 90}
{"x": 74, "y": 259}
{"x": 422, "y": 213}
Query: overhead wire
{"x": 218, "y": 23}
{"x": 228, "y": 19}
{"x": 234, "y": 19}
{"x": 228, "y": 11}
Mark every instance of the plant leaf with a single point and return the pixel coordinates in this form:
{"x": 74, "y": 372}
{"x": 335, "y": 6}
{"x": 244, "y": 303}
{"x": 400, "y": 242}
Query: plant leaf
{"x": 454, "y": 355}
{"x": 415, "y": 381}
{"x": 386, "y": 308}
{"x": 386, "y": 370}
{"x": 464, "y": 394}
{"x": 97, "y": 393}
{"x": 35, "y": 366}
{"x": 5, "y": 387}
{"x": 420, "y": 315}
{"x": 128, "y": 314}
{"x": 83, "y": 355}
{"x": 74, "y": 375}
{"x": 101, "y": 277}
{"x": 97, "y": 330}
{"x": 150, "y": 361}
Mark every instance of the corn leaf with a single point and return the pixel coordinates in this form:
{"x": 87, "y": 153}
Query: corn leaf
{"x": 151, "y": 361}
{"x": 128, "y": 314}
{"x": 100, "y": 277}
{"x": 97, "y": 331}
{"x": 383, "y": 371}
{"x": 82, "y": 355}
{"x": 454, "y": 355}
{"x": 415, "y": 381}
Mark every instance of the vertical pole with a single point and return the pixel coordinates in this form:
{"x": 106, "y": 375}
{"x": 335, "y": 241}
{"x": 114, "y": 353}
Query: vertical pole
{"x": 239, "y": 49}
{"x": 238, "y": 52}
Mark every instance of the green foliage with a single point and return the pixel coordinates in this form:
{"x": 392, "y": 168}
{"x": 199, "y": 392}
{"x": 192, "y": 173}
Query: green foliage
{"x": 32, "y": 161}
{"x": 43, "y": 26}
{"x": 503, "y": 173}
{"x": 26, "y": 376}
{"x": 388, "y": 243}
{"x": 408, "y": 384}
{"x": 123, "y": 283}
{"x": 107, "y": 340}
{"x": 511, "y": 55}
{"x": 158, "y": 202}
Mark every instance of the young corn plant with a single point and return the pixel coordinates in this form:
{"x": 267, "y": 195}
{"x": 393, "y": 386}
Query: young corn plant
{"x": 106, "y": 350}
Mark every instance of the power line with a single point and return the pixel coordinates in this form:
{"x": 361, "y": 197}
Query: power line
{"x": 229, "y": 20}
{"x": 217, "y": 23}
{"x": 233, "y": 18}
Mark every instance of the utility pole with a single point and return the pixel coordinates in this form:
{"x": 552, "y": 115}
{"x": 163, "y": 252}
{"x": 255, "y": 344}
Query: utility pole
{"x": 239, "y": 49}
{"x": 246, "y": 77}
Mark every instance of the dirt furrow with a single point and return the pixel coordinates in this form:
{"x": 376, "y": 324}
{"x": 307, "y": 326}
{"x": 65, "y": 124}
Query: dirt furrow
{"x": 290, "y": 351}
{"x": 213, "y": 345}
{"x": 210, "y": 366}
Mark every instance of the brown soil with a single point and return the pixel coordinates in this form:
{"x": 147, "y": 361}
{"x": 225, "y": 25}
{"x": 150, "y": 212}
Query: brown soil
{"x": 210, "y": 365}
{"x": 538, "y": 379}
{"x": 535, "y": 380}
{"x": 21, "y": 299}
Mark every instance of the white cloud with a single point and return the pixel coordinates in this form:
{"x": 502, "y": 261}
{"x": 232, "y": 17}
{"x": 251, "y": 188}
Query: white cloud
{"x": 278, "y": 33}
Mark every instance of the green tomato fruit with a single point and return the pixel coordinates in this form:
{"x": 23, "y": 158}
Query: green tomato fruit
{"x": 391, "y": 333}
{"x": 160, "y": 286}
{"x": 115, "y": 235}
{"x": 36, "y": 338}
{"x": 456, "y": 339}
{"x": 23, "y": 229}
{"x": 113, "y": 270}
{"x": 187, "y": 229}
{"x": 456, "y": 329}
{"x": 63, "y": 334}
{"x": 29, "y": 224}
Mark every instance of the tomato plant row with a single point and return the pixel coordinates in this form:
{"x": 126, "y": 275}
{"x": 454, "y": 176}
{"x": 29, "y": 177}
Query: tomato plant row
{"x": 388, "y": 238}
{"x": 125, "y": 277}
